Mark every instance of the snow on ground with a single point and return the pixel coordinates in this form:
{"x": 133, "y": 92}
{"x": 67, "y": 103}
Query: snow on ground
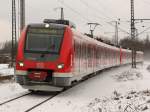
{"x": 5, "y": 70}
{"x": 148, "y": 68}
{"x": 131, "y": 74}
{"x": 24, "y": 103}
{"x": 128, "y": 102}
{"x": 117, "y": 90}
{"x": 9, "y": 89}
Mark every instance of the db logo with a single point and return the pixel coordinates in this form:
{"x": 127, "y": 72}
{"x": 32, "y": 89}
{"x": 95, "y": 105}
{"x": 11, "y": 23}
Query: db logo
{"x": 40, "y": 65}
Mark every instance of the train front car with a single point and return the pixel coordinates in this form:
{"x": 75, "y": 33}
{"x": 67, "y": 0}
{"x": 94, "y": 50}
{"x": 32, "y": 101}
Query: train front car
{"x": 44, "y": 57}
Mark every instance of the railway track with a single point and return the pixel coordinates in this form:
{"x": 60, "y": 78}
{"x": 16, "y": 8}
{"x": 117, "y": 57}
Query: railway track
{"x": 33, "y": 107}
{"x": 24, "y": 108}
{"x": 10, "y": 100}
{"x": 25, "y": 99}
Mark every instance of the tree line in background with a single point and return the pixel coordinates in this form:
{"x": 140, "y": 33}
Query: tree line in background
{"x": 140, "y": 45}
{"x": 5, "y": 47}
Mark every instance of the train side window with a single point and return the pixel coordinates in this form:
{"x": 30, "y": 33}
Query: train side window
{"x": 79, "y": 47}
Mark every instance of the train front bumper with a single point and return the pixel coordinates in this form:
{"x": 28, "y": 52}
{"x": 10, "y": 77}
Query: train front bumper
{"x": 58, "y": 82}
{"x": 50, "y": 88}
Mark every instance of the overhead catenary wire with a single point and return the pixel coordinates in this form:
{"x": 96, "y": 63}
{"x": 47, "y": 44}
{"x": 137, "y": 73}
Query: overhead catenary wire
{"x": 143, "y": 31}
{"x": 119, "y": 28}
{"x": 106, "y": 8}
{"x": 146, "y": 2}
{"x": 113, "y": 17}
{"x": 89, "y": 6}
{"x": 97, "y": 16}
{"x": 79, "y": 14}
{"x": 143, "y": 20}
{"x": 85, "y": 3}
{"x": 73, "y": 10}
{"x": 97, "y": 10}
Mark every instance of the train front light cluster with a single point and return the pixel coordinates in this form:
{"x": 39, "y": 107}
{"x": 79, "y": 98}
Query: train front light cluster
{"x": 21, "y": 64}
{"x": 47, "y": 25}
{"x": 60, "y": 66}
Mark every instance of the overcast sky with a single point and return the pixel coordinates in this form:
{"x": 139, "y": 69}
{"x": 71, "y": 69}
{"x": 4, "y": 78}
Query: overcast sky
{"x": 80, "y": 12}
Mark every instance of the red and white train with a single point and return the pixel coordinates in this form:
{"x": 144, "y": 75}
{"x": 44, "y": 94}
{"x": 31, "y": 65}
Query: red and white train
{"x": 52, "y": 56}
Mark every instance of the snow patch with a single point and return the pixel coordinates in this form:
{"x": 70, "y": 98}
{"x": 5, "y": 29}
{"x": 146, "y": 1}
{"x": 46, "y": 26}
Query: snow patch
{"x": 133, "y": 101}
{"x": 10, "y": 90}
{"x": 131, "y": 74}
{"x": 5, "y": 70}
{"x": 148, "y": 68}
{"x": 101, "y": 93}
{"x": 3, "y": 66}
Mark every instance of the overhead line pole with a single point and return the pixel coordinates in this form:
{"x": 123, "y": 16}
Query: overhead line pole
{"x": 22, "y": 14}
{"x": 142, "y": 21}
{"x": 14, "y": 38}
{"x": 62, "y": 13}
{"x": 116, "y": 32}
{"x": 133, "y": 35}
{"x": 14, "y": 25}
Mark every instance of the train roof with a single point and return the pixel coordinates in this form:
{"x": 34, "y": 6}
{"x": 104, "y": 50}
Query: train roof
{"x": 91, "y": 40}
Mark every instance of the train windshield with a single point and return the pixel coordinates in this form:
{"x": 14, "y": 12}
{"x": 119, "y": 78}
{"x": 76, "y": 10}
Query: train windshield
{"x": 44, "y": 40}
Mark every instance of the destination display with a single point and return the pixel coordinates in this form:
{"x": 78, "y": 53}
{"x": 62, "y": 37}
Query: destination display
{"x": 46, "y": 31}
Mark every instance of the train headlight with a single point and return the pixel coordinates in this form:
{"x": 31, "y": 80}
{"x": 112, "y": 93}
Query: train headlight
{"x": 60, "y": 66}
{"x": 47, "y": 25}
{"x": 21, "y": 64}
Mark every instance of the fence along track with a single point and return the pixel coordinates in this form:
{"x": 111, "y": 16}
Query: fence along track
{"x": 7, "y": 77}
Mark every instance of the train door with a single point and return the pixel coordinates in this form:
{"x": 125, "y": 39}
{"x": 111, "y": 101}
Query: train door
{"x": 102, "y": 57}
{"x": 76, "y": 57}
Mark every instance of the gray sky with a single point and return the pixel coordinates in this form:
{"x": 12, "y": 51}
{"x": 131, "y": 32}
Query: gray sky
{"x": 80, "y": 12}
